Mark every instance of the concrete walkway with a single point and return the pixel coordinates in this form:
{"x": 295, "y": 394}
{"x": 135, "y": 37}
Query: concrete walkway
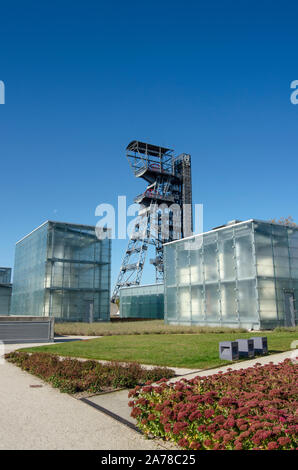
{"x": 44, "y": 418}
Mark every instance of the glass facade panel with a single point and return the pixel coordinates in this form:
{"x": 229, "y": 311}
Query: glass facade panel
{"x": 182, "y": 263}
{"x": 170, "y": 257}
{"x": 194, "y": 246}
{"x": 247, "y": 301}
{"x": 210, "y": 258}
{"x": 29, "y": 274}
{"x": 226, "y": 255}
{"x": 5, "y": 275}
{"x": 229, "y": 302}
{"x": 5, "y": 290}
{"x": 267, "y": 299}
{"x": 142, "y": 302}
{"x": 184, "y": 304}
{"x": 63, "y": 270}
{"x": 212, "y": 303}
{"x": 197, "y": 303}
{"x": 244, "y": 252}
{"x": 171, "y": 303}
{"x": 264, "y": 255}
{"x": 5, "y": 299}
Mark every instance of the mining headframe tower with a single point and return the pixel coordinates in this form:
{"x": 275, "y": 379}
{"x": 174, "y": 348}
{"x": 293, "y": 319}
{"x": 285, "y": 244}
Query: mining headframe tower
{"x": 165, "y": 209}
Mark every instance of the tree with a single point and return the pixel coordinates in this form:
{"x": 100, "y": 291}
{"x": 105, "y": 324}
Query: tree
{"x": 289, "y": 221}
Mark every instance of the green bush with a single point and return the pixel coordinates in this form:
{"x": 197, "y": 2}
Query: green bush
{"x": 136, "y": 328}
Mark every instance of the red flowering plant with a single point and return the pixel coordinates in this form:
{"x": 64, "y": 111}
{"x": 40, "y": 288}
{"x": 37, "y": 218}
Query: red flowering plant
{"x": 75, "y": 376}
{"x": 252, "y": 408}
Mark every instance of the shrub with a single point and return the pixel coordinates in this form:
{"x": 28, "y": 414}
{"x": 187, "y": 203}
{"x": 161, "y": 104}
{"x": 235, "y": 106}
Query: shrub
{"x": 136, "y": 328}
{"x": 72, "y": 375}
{"x": 242, "y": 409}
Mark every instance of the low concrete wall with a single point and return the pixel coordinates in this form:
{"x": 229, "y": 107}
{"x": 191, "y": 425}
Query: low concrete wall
{"x": 26, "y": 329}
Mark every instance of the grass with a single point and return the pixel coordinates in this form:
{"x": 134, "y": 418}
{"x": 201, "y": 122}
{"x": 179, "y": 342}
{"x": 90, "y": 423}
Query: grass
{"x": 198, "y": 351}
{"x": 135, "y": 328}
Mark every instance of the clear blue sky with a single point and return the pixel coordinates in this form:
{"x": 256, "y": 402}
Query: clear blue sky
{"x": 84, "y": 78}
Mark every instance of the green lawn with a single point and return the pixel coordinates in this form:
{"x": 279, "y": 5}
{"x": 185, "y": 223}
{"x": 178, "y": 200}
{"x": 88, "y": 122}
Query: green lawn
{"x": 182, "y": 350}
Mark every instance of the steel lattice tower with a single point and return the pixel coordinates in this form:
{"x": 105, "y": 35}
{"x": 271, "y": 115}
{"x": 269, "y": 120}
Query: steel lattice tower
{"x": 165, "y": 208}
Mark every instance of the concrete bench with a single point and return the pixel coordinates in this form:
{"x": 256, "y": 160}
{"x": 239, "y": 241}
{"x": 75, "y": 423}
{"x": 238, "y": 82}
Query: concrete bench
{"x": 228, "y": 350}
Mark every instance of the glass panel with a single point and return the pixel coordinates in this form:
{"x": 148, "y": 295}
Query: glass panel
{"x": 184, "y": 304}
{"x": 244, "y": 256}
{"x": 197, "y": 303}
{"x": 267, "y": 300}
{"x": 183, "y": 271}
{"x": 228, "y": 302}
{"x": 247, "y": 301}
{"x": 170, "y": 264}
{"x": 294, "y": 253}
{"x": 29, "y": 274}
{"x": 282, "y": 268}
{"x": 171, "y": 303}
{"x": 294, "y": 272}
{"x": 264, "y": 253}
{"x": 293, "y": 238}
{"x": 226, "y": 254}
{"x": 210, "y": 258}
{"x": 281, "y": 251}
{"x": 212, "y": 303}
{"x": 196, "y": 260}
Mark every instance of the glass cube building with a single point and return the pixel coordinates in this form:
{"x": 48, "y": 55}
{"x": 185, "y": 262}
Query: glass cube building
{"x": 63, "y": 270}
{"x": 142, "y": 301}
{"x": 5, "y": 290}
{"x": 240, "y": 275}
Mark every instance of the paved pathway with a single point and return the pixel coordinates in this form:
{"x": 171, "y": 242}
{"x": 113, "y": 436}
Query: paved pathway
{"x": 44, "y": 418}
{"x": 275, "y": 358}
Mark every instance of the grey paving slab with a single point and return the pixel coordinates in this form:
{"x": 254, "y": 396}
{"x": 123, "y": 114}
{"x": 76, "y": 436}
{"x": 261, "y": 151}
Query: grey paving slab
{"x": 116, "y": 402}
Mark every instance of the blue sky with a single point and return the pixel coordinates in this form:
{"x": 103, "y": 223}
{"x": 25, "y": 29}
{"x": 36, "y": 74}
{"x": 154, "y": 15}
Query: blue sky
{"x": 209, "y": 78}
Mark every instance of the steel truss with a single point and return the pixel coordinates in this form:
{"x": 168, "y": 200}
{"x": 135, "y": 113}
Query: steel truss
{"x": 165, "y": 209}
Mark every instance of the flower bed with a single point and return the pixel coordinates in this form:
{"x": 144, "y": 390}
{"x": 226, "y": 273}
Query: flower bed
{"x": 72, "y": 375}
{"x": 246, "y": 409}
